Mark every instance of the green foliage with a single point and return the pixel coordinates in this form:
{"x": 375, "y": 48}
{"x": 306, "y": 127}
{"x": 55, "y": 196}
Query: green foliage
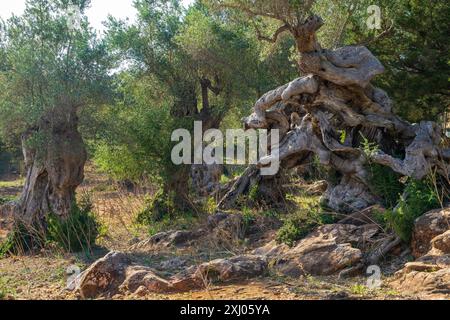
{"x": 415, "y": 53}
{"x": 296, "y": 226}
{"x": 135, "y": 142}
{"x": 248, "y": 217}
{"x": 22, "y": 239}
{"x": 6, "y": 199}
{"x": 254, "y": 192}
{"x": 369, "y": 148}
{"x": 157, "y": 208}
{"x": 293, "y": 230}
{"x": 54, "y": 68}
{"x": 420, "y": 198}
{"x": 78, "y": 232}
{"x": 5, "y": 289}
{"x": 160, "y": 214}
{"x": 385, "y": 183}
{"x": 359, "y": 289}
{"x": 210, "y": 205}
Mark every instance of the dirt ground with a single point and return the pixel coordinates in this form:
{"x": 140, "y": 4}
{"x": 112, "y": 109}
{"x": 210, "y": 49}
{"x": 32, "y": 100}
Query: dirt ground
{"x": 45, "y": 275}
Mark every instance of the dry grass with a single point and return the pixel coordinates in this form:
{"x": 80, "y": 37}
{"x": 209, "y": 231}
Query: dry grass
{"x": 116, "y": 209}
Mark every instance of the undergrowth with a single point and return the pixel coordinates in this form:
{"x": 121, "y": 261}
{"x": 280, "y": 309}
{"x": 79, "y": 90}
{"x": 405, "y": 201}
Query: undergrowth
{"x": 420, "y": 197}
{"x": 160, "y": 213}
{"x": 77, "y": 233}
{"x": 309, "y": 214}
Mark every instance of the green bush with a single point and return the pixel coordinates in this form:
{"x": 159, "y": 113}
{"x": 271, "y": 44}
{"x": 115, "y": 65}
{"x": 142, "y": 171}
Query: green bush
{"x": 22, "y": 239}
{"x": 248, "y": 218}
{"x": 186, "y": 221}
{"x": 385, "y": 183}
{"x": 420, "y": 198}
{"x": 76, "y": 233}
{"x": 157, "y": 208}
{"x": 300, "y": 224}
{"x": 291, "y": 232}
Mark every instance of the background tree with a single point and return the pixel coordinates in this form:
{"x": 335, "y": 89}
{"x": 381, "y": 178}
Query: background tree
{"x": 194, "y": 66}
{"x": 50, "y": 71}
{"x": 415, "y": 51}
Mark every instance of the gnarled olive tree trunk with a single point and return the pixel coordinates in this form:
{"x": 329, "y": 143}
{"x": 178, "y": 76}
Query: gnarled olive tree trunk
{"x": 330, "y": 111}
{"x": 55, "y": 156}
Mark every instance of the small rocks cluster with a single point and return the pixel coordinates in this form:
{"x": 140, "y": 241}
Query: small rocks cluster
{"x": 115, "y": 274}
{"x": 429, "y": 275}
{"x": 330, "y": 249}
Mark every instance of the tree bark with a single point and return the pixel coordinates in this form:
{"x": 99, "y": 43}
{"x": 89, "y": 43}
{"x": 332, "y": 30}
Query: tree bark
{"x": 334, "y": 97}
{"x": 206, "y": 178}
{"x": 55, "y": 156}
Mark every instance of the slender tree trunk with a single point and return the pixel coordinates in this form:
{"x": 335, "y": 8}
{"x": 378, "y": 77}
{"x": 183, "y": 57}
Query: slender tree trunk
{"x": 206, "y": 178}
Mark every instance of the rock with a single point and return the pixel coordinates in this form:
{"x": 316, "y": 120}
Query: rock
{"x": 425, "y": 283}
{"x": 114, "y": 275}
{"x": 187, "y": 280}
{"x": 238, "y": 267}
{"x": 428, "y": 276}
{"x": 270, "y": 250}
{"x": 165, "y": 240}
{"x": 138, "y": 277}
{"x": 103, "y": 276}
{"x": 171, "y": 264}
{"x": 442, "y": 242}
{"x": 426, "y": 228}
{"x": 326, "y": 251}
{"x": 323, "y": 259}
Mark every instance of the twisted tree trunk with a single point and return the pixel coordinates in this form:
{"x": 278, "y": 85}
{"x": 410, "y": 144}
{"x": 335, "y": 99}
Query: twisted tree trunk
{"x": 54, "y": 155}
{"x": 334, "y": 97}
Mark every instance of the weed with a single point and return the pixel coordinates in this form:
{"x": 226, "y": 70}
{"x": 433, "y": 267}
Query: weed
{"x": 78, "y": 232}
{"x": 359, "y": 289}
{"x": 22, "y": 238}
{"x": 5, "y": 290}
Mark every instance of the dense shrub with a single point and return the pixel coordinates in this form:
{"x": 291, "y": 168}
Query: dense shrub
{"x": 420, "y": 198}
{"x": 76, "y": 233}
{"x": 383, "y": 181}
